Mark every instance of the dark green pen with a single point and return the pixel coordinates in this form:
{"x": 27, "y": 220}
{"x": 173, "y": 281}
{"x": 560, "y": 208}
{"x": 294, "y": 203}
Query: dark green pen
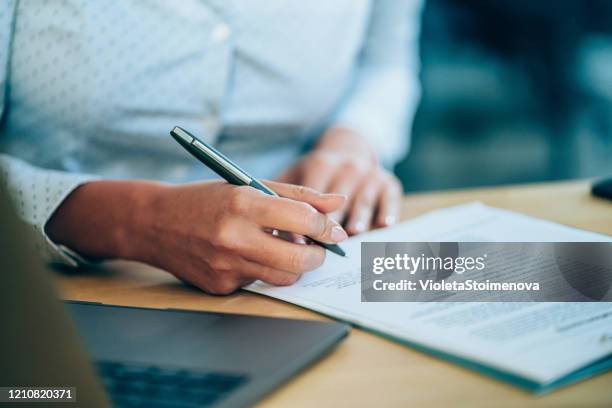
{"x": 229, "y": 170}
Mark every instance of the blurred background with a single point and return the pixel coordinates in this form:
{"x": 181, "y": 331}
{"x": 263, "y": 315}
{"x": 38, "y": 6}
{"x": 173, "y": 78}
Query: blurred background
{"x": 513, "y": 91}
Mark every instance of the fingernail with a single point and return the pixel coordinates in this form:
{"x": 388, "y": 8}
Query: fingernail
{"x": 338, "y": 234}
{"x": 389, "y": 220}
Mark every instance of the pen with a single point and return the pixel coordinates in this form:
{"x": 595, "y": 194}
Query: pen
{"x": 229, "y": 170}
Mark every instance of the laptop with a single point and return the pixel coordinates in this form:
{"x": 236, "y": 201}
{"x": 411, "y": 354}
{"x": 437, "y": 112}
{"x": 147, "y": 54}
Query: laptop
{"x": 136, "y": 357}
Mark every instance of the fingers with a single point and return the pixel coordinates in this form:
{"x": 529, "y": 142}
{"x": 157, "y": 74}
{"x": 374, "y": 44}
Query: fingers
{"x": 231, "y": 272}
{"x": 241, "y": 272}
{"x": 293, "y": 216}
{"x": 235, "y": 272}
{"x": 379, "y": 194}
{"x": 314, "y": 171}
{"x": 290, "y": 236}
{"x": 322, "y": 202}
{"x": 317, "y": 173}
{"x": 389, "y": 204}
{"x": 345, "y": 182}
{"x": 363, "y": 206}
{"x": 253, "y": 271}
{"x": 279, "y": 254}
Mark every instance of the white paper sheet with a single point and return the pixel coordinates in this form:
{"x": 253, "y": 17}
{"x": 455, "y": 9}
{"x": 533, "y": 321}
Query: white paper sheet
{"x": 541, "y": 342}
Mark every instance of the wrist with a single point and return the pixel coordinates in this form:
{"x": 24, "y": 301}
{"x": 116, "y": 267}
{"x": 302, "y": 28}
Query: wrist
{"x": 139, "y": 240}
{"x": 103, "y": 219}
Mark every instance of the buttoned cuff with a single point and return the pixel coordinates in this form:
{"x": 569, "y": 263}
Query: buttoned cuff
{"x": 53, "y": 252}
{"x": 36, "y": 194}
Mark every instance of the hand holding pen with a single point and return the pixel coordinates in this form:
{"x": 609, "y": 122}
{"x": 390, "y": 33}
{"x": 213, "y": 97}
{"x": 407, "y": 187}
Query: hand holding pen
{"x": 233, "y": 174}
{"x": 212, "y": 234}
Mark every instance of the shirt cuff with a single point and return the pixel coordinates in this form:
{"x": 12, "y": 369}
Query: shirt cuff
{"x": 57, "y": 253}
{"x": 36, "y": 194}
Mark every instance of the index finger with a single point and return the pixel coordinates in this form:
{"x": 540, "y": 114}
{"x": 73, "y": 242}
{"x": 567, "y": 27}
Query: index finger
{"x": 280, "y": 254}
{"x": 299, "y": 217}
{"x": 323, "y": 202}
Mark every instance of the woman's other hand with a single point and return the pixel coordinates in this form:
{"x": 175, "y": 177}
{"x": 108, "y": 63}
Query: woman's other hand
{"x": 343, "y": 163}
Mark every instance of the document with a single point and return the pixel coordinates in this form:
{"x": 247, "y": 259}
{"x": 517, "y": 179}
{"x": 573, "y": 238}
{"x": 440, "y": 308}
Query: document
{"x": 538, "y": 346}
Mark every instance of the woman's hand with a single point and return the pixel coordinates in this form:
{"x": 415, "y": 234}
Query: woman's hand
{"x": 210, "y": 234}
{"x": 343, "y": 163}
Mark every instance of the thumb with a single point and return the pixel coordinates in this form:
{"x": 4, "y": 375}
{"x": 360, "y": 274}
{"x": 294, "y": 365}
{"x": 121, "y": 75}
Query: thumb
{"x": 324, "y": 203}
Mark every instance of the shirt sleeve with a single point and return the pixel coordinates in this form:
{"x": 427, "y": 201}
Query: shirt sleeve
{"x": 382, "y": 100}
{"x": 36, "y": 193}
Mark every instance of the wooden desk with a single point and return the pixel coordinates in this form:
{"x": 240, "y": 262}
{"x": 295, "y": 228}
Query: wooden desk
{"x": 367, "y": 370}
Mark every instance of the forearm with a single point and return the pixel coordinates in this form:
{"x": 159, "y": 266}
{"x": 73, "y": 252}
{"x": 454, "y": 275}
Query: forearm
{"x": 382, "y": 100}
{"x": 100, "y": 219}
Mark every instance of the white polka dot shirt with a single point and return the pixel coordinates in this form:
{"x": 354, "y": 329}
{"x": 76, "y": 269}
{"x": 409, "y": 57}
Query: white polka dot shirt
{"x": 91, "y": 88}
